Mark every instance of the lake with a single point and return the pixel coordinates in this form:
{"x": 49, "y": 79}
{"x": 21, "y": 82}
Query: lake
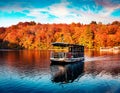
{"x": 30, "y": 71}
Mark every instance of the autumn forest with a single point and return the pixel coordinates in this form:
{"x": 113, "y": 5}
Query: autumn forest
{"x": 31, "y": 35}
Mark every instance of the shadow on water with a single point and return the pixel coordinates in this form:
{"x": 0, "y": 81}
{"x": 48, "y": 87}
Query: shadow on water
{"x": 66, "y": 73}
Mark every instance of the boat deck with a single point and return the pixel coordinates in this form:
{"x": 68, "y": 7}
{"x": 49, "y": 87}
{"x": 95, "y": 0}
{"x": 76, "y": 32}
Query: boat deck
{"x": 74, "y": 53}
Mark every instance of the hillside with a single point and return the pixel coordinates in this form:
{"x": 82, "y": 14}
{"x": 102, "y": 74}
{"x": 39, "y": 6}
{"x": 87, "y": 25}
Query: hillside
{"x": 30, "y": 35}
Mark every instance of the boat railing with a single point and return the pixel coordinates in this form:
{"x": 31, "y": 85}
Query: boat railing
{"x": 66, "y": 54}
{"x": 57, "y": 54}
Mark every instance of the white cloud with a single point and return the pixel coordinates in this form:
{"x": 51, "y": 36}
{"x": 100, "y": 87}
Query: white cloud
{"x": 59, "y": 10}
{"x": 65, "y": 15}
{"x": 88, "y": 17}
{"x": 8, "y": 22}
{"x": 108, "y": 10}
{"x": 108, "y": 6}
{"x": 85, "y": 18}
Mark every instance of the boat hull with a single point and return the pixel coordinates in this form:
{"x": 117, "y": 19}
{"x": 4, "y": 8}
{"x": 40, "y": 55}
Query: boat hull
{"x": 66, "y": 60}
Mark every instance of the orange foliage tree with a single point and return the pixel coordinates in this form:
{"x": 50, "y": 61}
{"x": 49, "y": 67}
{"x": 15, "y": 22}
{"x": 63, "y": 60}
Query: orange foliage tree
{"x": 29, "y": 35}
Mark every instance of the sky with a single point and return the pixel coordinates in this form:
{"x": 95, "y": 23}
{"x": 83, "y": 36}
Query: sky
{"x": 58, "y": 11}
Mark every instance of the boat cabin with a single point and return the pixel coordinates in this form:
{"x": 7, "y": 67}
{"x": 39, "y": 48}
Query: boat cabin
{"x": 64, "y": 52}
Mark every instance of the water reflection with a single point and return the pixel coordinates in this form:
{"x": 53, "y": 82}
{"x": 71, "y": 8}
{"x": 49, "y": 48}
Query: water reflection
{"x": 24, "y": 62}
{"x": 66, "y": 73}
{"x": 30, "y": 71}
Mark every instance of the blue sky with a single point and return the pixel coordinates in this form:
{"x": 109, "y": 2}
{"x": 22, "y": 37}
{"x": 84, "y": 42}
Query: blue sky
{"x": 59, "y": 11}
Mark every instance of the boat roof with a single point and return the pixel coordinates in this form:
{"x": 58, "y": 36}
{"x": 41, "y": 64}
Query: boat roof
{"x": 61, "y": 44}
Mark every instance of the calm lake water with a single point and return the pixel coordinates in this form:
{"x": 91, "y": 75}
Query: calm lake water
{"x": 31, "y": 72}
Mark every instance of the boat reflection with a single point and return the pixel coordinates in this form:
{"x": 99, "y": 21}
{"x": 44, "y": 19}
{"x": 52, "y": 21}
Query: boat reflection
{"x": 66, "y": 73}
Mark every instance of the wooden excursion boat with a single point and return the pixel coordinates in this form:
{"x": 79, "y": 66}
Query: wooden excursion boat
{"x": 67, "y": 52}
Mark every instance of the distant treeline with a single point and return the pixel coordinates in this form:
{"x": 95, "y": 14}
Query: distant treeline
{"x": 30, "y": 35}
